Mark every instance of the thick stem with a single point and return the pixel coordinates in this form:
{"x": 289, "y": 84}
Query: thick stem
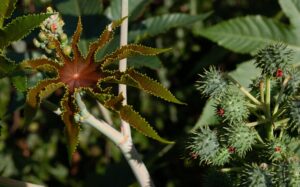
{"x": 139, "y": 170}
{"x": 123, "y": 65}
{"x": 138, "y": 167}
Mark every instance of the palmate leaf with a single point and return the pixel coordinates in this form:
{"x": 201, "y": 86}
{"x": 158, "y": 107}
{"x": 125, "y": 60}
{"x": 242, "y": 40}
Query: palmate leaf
{"x": 19, "y": 28}
{"x": 133, "y": 118}
{"x": 250, "y": 33}
{"x": 291, "y": 9}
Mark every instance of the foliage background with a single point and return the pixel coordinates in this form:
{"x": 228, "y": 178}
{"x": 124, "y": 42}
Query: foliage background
{"x": 37, "y": 153}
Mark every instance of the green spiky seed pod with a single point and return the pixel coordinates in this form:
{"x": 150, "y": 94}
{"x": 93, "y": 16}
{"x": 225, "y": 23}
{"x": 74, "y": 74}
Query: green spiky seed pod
{"x": 294, "y": 174}
{"x": 294, "y": 83}
{"x": 222, "y": 157}
{"x": 257, "y": 176}
{"x": 277, "y": 149}
{"x": 235, "y": 107}
{"x": 241, "y": 138}
{"x": 294, "y": 111}
{"x": 204, "y": 143}
{"x": 273, "y": 58}
{"x": 281, "y": 172}
{"x": 212, "y": 83}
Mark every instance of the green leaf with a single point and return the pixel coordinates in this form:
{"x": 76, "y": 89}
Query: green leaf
{"x": 160, "y": 24}
{"x": 6, "y": 8}
{"x": 245, "y": 73}
{"x": 250, "y": 33}
{"x": 135, "y": 9}
{"x": 19, "y": 80}
{"x": 208, "y": 115}
{"x": 4, "y": 97}
{"x": 6, "y": 66}
{"x": 291, "y": 9}
{"x": 80, "y": 7}
{"x": 19, "y": 28}
{"x": 152, "y": 62}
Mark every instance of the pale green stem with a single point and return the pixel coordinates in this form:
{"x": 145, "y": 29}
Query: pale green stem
{"x": 262, "y": 91}
{"x": 193, "y": 7}
{"x": 139, "y": 170}
{"x": 259, "y": 138}
{"x": 244, "y": 90}
{"x": 285, "y": 81}
{"x": 281, "y": 122}
{"x": 269, "y": 125}
{"x": 233, "y": 169}
{"x": 253, "y": 124}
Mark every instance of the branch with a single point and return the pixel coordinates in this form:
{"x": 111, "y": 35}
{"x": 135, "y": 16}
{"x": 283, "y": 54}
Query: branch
{"x": 138, "y": 167}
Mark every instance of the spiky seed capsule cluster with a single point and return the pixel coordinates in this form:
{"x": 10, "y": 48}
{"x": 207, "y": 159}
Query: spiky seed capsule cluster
{"x": 52, "y": 27}
{"x": 241, "y": 137}
{"x": 293, "y": 84}
{"x": 254, "y": 176}
{"x": 277, "y": 149}
{"x": 205, "y": 144}
{"x": 213, "y": 83}
{"x": 294, "y": 174}
{"x": 294, "y": 111}
{"x": 273, "y": 59}
{"x": 235, "y": 107}
{"x": 222, "y": 157}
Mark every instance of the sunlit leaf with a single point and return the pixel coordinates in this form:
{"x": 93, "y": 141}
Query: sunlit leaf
{"x": 32, "y": 99}
{"x": 129, "y": 51}
{"x": 133, "y": 118}
{"x": 72, "y": 128}
{"x": 149, "y": 85}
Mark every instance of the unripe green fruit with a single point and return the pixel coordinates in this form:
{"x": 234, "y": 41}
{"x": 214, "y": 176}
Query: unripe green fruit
{"x": 36, "y": 43}
{"x": 67, "y": 50}
{"x": 63, "y": 37}
{"x": 42, "y": 36}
